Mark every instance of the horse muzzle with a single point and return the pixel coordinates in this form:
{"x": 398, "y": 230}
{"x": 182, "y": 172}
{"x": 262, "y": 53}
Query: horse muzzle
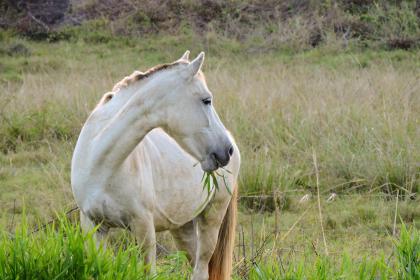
{"x": 218, "y": 158}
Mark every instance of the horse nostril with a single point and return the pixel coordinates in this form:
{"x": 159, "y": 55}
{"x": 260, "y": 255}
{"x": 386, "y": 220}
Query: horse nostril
{"x": 230, "y": 151}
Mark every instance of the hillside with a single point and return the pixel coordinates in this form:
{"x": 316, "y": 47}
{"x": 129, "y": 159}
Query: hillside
{"x": 258, "y": 25}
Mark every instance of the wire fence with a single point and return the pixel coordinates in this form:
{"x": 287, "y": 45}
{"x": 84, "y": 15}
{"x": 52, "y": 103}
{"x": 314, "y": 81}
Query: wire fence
{"x": 262, "y": 199}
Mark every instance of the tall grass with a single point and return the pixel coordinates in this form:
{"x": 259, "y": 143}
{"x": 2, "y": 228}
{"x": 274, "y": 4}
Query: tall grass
{"x": 359, "y": 121}
{"x": 357, "y": 111}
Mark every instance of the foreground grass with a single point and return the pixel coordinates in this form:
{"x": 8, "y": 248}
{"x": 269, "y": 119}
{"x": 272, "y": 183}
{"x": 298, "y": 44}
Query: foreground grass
{"x": 360, "y": 225}
{"x": 61, "y": 251}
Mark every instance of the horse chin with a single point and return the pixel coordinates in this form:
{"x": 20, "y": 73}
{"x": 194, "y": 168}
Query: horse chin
{"x": 209, "y": 165}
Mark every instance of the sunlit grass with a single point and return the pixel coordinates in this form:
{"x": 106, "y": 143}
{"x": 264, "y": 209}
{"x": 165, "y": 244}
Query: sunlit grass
{"x": 62, "y": 251}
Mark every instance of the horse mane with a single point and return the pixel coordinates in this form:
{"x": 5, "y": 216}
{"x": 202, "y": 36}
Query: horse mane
{"x": 137, "y": 75}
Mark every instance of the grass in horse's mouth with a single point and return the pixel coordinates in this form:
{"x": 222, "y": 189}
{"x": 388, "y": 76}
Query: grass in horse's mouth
{"x": 210, "y": 183}
{"x": 209, "y": 179}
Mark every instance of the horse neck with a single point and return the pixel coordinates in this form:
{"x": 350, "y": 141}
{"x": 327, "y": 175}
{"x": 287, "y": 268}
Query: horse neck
{"x": 120, "y": 129}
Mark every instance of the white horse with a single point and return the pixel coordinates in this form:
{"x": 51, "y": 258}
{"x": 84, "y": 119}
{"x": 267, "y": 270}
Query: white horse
{"x": 135, "y": 166}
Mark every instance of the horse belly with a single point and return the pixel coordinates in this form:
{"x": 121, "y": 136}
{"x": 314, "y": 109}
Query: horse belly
{"x": 105, "y": 211}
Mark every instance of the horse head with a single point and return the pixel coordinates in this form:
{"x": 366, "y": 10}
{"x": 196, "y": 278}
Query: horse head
{"x": 192, "y": 119}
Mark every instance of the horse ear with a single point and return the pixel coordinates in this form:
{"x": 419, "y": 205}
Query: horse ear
{"x": 185, "y": 56}
{"x": 196, "y": 64}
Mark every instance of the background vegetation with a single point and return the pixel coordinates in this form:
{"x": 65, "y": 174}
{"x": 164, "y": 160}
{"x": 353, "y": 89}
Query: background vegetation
{"x": 326, "y": 89}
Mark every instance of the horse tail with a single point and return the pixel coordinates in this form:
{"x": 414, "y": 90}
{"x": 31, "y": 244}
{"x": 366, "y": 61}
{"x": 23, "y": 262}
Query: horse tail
{"x": 220, "y": 265}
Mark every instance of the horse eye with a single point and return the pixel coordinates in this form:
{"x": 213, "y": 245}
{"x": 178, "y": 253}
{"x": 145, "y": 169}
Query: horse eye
{"x": 207, "y": 101}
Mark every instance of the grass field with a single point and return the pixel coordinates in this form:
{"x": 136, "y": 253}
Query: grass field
{"x": 354, "y": 114}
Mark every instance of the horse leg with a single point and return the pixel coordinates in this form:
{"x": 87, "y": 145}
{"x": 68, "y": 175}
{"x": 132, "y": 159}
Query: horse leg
{"x": 186, "y": 240}
{"x": 144, "y": 231}
{"x": 208, "y": 225}
{"x": 88, "y": 226}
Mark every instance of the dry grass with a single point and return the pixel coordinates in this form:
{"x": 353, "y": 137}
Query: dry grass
{"x": 360, "y": 121}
